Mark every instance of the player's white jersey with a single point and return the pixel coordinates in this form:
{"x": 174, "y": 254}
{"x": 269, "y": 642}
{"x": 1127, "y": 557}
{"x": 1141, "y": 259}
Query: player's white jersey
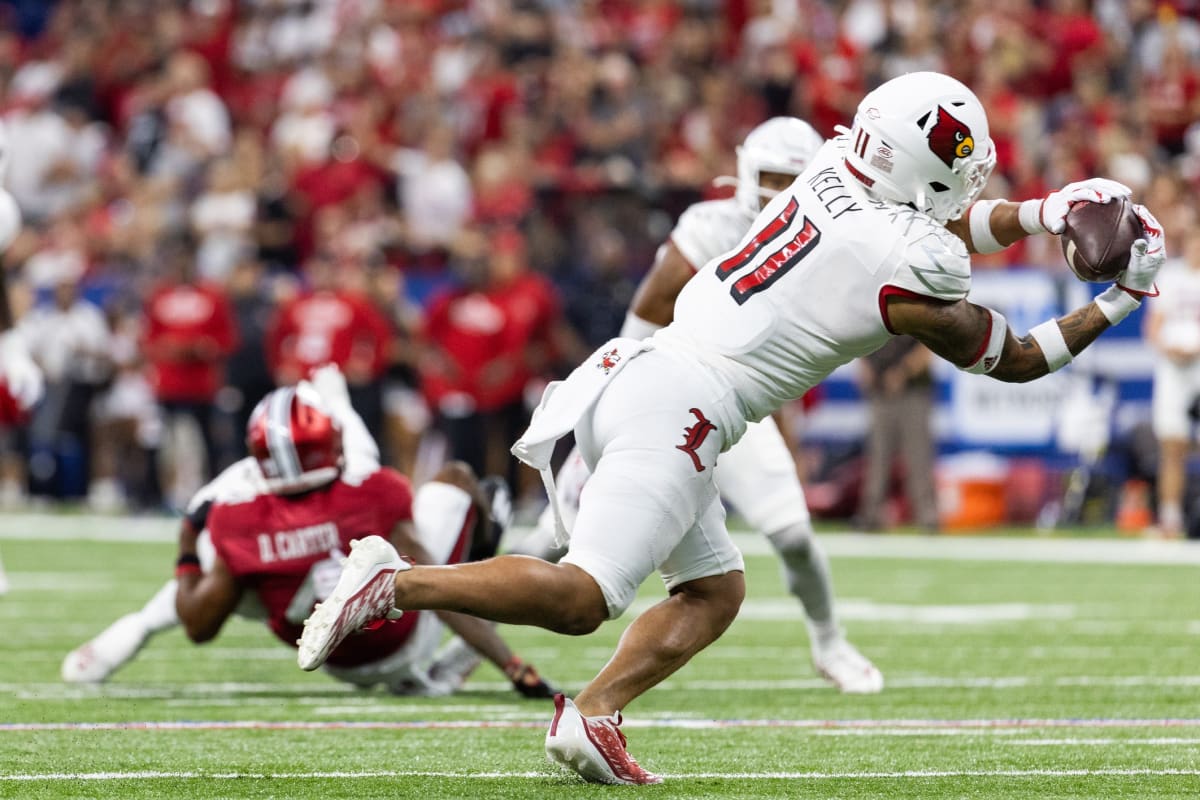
{"x": 804, "y": 290}
{"x": 241, "y": 481}
{"x": 1178, "y": 306}
{"x": 708, "y": 229}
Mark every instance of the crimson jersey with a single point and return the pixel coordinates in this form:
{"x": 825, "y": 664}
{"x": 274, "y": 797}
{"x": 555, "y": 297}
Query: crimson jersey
{"x": 479, "y": 329}
{"x": 270, "y": 542}
{"x": 328, "y": 326}
{"x": 11, "y": 412}
{"x": 177, "y": 317}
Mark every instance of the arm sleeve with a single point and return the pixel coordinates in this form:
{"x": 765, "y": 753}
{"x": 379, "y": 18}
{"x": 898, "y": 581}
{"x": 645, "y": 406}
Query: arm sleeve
{"x": 358, "y": 446}
{"x": 197, "y": 515}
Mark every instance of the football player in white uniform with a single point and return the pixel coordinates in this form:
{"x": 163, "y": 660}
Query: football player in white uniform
{"x": 757, "y": 476}
{"x": 856, "y": 250}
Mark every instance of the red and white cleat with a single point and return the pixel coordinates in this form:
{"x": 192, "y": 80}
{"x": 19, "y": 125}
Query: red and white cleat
{"x": 365, "y": 592}
{"x": 593, "y": 748}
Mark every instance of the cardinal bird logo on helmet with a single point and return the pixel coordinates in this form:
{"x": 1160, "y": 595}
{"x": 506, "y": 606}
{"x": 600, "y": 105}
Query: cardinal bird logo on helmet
{"x": 950, "y": 139}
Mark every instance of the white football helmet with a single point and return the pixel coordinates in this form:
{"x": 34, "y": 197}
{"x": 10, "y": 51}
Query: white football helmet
{"x": 922, "y": 139}
{"x": 781, "y": 144}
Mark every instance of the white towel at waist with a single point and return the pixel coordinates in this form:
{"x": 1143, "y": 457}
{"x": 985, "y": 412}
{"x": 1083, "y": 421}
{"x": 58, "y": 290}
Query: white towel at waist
{"x": 563, "y": 404}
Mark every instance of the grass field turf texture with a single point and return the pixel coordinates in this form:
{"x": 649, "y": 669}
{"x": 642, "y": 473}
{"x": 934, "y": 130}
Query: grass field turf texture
{"x": 1016, "y": 667}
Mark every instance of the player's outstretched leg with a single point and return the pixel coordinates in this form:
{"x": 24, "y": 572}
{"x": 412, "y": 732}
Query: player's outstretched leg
{"x": 97, "y": 659}
{"x": 514, "y": 589}
{"x": 806, "y": 572}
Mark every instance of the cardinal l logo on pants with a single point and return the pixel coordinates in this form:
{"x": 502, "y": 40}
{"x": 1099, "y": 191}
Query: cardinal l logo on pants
{"x": 694, "y": 436}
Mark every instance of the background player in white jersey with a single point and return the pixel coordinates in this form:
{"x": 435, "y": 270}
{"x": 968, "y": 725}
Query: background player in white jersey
{"x": 854, "y": 252}
{"x": 449, "y": 516}
{"x": 757, "y": 476}
{"x": 1173, "y": 330}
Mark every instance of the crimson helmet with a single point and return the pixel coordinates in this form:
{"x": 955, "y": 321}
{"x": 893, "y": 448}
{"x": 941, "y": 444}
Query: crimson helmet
{"x": 295, "y": 439}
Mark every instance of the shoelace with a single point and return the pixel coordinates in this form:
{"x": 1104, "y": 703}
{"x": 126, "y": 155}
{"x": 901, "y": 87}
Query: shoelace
{"x": 615, "y": 722}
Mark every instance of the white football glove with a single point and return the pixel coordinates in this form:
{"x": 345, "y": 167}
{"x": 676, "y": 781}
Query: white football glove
{"x": 330, "y": 383}
{"x": 20, "y": 376}
{"x": 1145, "y": 257}
{"x": 1052, "y": 210}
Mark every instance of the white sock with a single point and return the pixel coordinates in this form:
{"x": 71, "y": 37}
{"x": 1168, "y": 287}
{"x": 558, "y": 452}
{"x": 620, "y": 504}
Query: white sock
{"x": 159, "y": 613}
{"x": 1170, "y": 516}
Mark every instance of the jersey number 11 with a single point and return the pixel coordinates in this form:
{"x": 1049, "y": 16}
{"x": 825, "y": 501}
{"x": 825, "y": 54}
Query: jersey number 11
{"x": 776, "y": 265}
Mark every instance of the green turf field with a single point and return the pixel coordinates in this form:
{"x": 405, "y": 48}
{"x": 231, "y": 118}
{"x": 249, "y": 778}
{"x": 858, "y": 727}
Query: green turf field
{"x": 1016, "y": 667}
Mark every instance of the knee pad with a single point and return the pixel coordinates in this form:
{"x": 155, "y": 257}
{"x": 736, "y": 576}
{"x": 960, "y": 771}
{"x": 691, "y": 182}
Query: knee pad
{"x": 794, "y": 541}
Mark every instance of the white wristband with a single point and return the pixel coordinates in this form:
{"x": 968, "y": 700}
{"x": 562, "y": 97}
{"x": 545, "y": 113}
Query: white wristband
{"x": 1116, "y": 304}
{"x": 980, "y": 219}
{"x": 1049, "y": 337}
{"x": 1030, "y": 216}
{"x": 637, "y": 328}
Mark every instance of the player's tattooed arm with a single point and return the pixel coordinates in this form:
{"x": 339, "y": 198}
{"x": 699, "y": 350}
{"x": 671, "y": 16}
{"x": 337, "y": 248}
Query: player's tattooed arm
{"x": 654, "y": 300}
{"x": 958, "y": 332}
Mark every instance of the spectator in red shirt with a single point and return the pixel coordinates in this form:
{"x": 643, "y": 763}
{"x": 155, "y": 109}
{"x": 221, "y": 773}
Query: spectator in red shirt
{"x": 189, "y": 333}
{"x": 331, "y": 323}
{"x": 486, "y": 342}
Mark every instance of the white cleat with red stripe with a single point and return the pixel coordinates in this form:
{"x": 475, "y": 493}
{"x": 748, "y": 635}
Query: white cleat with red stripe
{"x": 365, "y": 592}
{"x": 594, "y": 748}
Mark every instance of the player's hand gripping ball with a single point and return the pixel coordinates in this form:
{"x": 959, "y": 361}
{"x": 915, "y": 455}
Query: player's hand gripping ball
{"x": 1097, "y": 238}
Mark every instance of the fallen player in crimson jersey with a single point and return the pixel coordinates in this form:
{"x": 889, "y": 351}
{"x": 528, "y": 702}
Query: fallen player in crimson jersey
{"x": 266, "y": 538}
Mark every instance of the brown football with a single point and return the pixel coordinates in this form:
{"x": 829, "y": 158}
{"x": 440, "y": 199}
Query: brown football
{"x": 1097, "y": 238}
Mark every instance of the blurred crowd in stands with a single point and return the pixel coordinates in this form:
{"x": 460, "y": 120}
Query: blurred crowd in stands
{"x": 454, "y": 199}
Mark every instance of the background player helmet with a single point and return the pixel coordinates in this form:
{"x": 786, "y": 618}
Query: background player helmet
{"x": 922, "y": 139}
{"x": 296, "y": 440}
{"x": 781, "y": 144}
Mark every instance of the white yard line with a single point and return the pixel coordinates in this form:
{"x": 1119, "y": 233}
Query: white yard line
{"x": 1157, "y": 742}
{"x": 888, "y": 725}
{"x": 84, "y": 527}
{"x": 335, "y": 693}
{"x": 761, "y": 776}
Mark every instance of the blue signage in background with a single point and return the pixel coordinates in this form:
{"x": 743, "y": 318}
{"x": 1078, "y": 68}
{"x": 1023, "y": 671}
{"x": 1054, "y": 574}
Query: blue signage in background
{"x": 975, "y": 412}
